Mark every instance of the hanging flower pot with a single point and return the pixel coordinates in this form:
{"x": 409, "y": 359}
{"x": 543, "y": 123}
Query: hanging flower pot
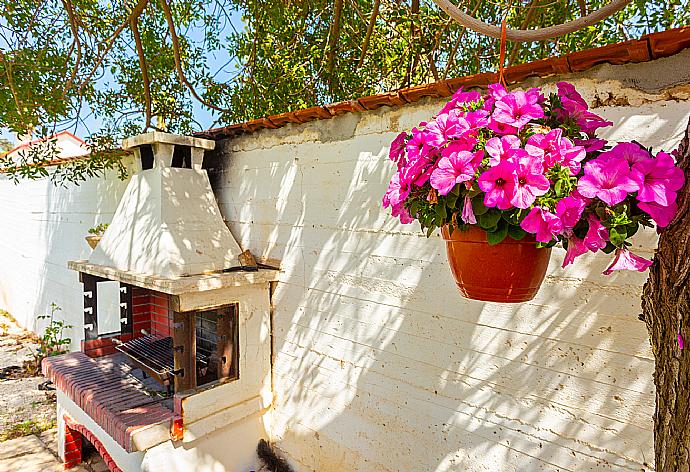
{"x": 518, "y": 172}
{"x": 509, "y": 272}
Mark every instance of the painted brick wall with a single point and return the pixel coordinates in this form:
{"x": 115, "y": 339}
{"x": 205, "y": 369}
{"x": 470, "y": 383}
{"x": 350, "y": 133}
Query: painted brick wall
{"x": 380, "y": 365}
{"x": 43, "y": 227}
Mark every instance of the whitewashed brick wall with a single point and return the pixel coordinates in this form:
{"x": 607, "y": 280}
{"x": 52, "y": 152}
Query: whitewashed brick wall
{"x": 380, "y": 364}
{"x": 43, "y": 226}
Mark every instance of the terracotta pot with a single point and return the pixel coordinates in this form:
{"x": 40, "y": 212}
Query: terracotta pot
{"x": 93, "y": 241}
{"x": 509, "y": 272}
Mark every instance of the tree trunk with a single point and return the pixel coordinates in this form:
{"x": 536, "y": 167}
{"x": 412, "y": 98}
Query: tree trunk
{"x": 666, "y": 306}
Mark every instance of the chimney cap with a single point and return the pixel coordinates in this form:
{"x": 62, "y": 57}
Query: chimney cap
{"x": 167, "y": 138}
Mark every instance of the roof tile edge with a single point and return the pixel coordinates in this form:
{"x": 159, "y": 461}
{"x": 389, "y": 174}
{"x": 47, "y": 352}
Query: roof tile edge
{"x": 649, "y": 47}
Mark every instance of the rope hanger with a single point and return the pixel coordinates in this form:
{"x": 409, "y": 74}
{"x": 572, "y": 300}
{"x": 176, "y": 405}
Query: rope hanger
{"x": 539, "y": 34}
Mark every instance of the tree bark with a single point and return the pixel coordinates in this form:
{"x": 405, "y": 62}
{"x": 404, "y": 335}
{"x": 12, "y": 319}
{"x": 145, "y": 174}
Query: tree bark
{"x": 666, "y": 306}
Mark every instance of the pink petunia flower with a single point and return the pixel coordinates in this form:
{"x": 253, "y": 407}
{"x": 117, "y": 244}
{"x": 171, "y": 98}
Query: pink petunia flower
{"x": 499, "y": 183}
{"x": 569, "y": 210}
{"x": 597, "y": 234}
{"x": 445, "y": 127}
{"x": 631, "y": 152}
{"x": 401, "y": 212}
{"x": 531, "y": 182}
{"x": 661, "y": 214}
{"x": 497, "y": 148}
{"x": 607, "y": 180}
{"x": 576, "y": 248}
{"x": 460, "y": 98}
{"x": 397, "y": 150}
{"x": 468, "y": 212}
{"x": 626, "y": 260}
{"x": 397, "y": 191}
{"x": 502, "y": 129}
{"x": 454, "y": 168}
{"x": 542, "y": 223}
{"x": 681, "y": 343}
{"x": 496, "y": 92}
{"x": 557, "y": 150}
{"x": 517, "y": 109}
{"x": 534, "y": 95}
{"x": 417, "y": 146}
{"x": 570, "y": 97}
{"x": 591, "y": 144}
{"x": 657, "y": 179}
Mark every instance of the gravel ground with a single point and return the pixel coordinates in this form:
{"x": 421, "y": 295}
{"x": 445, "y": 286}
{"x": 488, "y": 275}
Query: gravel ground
{"x": 24, "y": 409}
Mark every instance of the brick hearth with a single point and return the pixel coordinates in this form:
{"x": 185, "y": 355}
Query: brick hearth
{"x": 115, "y": 402}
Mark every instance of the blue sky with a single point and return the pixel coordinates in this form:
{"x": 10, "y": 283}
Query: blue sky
{"x": 215, "y": 59}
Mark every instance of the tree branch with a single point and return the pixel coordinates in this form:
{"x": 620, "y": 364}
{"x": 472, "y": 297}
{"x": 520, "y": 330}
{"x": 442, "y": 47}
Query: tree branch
{"x": 178, "y": 61}
{"x": 144, "y": 71}
{"x": 370, "y": 29}
{"x": 333, "y": 40}
{"x": 69, "y": 8}
{"x": 531, "y": 11}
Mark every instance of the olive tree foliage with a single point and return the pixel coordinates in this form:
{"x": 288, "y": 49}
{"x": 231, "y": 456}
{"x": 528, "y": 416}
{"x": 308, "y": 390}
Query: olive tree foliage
{"x": 134, "y": 65}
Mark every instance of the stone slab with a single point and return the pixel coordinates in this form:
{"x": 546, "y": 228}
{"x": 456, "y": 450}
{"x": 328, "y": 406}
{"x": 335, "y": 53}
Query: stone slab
{"x": 167, "y": 138}
{"x": 20, "y": 446}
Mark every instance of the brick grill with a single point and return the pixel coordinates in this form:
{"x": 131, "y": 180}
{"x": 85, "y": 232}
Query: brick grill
{"x": 116, "y": 403}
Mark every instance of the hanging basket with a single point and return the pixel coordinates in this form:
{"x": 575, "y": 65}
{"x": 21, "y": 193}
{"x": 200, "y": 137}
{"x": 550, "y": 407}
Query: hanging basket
{"x": 509, "y": 272}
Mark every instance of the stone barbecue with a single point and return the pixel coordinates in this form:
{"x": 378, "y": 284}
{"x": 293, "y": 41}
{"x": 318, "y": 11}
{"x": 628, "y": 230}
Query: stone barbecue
{"x": 177, "y": 320}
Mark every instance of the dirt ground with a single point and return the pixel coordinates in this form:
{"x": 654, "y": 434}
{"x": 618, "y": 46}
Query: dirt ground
{"x": 24, "y": 408}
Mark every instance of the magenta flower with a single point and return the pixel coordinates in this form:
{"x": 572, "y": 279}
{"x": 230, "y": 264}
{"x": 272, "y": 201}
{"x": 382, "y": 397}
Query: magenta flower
{"x": 591, "y": 144}
{"x": 597, "y": 234}
{"x": 576, "y": 248}
{"x": 681, "y": 344}
{"x": 542, "y": 223}
{"x": 570, "y": 98}
{"x": 477, "y": 119}
{"x": 454, "y": 168}
{"x": 499, "y": 183}
{"x": 626, "y": 260}
{"x": 557, "y": 150}
{"x": 397, "y": 191}
{"x": 417, "y": 171}
{"x": 401, "y": 212}
{"x": 502, "y": 129}
{"x": 569, "y": 210}
{"x": 445, "y": 127}
{"x": 517, "y": 109}
{"x": 661, "y": 214}
{"x": 460, "y": 98}
{"x": 397, "y": 150}
{"x": 468, "y": 212}
{"x": 417, "y": 146}
{"x": 496, "y": 92}
{"x": 534, "y": 95}
{"x": 531, "y": 182}
{"x": 657, "y": 179}
{"x": 497, "y": 148}
{"x": 631, "y": 152}
{"x": 607, "y": 180}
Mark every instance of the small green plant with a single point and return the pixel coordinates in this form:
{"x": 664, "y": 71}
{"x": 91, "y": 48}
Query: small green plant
{"x": 99, "y": 229}
{"x": 26, "y": 428}
{"x": 53, "y": 340}
{"x": 51, "y": 343}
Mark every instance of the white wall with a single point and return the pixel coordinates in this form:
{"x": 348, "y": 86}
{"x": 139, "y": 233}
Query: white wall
{"x": 43, "y": 226}
{"x": 380, "y": 364}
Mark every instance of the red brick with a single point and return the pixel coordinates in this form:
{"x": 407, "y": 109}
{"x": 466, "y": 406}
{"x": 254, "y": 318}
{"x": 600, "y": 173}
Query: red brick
{"x": 668, "y": 43}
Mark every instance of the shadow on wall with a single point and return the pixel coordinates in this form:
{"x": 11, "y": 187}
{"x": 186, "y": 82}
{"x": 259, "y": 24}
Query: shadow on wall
{"x": 44, "y": 226}
{"x": 381, "y": 365}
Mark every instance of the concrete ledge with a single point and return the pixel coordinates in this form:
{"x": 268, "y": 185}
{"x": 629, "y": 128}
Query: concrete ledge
{"x": 178, "y": 286}
{"x": 167, "y": 138}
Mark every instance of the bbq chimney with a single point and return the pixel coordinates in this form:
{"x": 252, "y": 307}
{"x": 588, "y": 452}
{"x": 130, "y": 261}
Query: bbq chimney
{"x": 168, "y": 223}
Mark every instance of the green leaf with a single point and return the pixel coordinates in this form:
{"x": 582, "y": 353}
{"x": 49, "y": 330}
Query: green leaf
{"x": 617, "y": 236}
{"x": 496, "y": 237}
{"x": 516, "y": 232}
{"x": 489, "y": 219}
{"x": 478, "y": 206}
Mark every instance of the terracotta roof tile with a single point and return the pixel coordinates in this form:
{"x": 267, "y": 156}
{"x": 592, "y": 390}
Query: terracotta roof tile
{"x": 347, "y": 106}
{"x": 390, "y": 99}
{"x": 668, "y": 43}
{"x": 619, "y": 53}
{"x": 649, "y": 47}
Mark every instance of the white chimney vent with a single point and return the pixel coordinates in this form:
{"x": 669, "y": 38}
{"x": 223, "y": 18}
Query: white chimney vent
{"x": 168, "y": 223}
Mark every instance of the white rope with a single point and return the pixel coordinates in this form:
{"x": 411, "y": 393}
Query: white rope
{"x": 538, "y": 34}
